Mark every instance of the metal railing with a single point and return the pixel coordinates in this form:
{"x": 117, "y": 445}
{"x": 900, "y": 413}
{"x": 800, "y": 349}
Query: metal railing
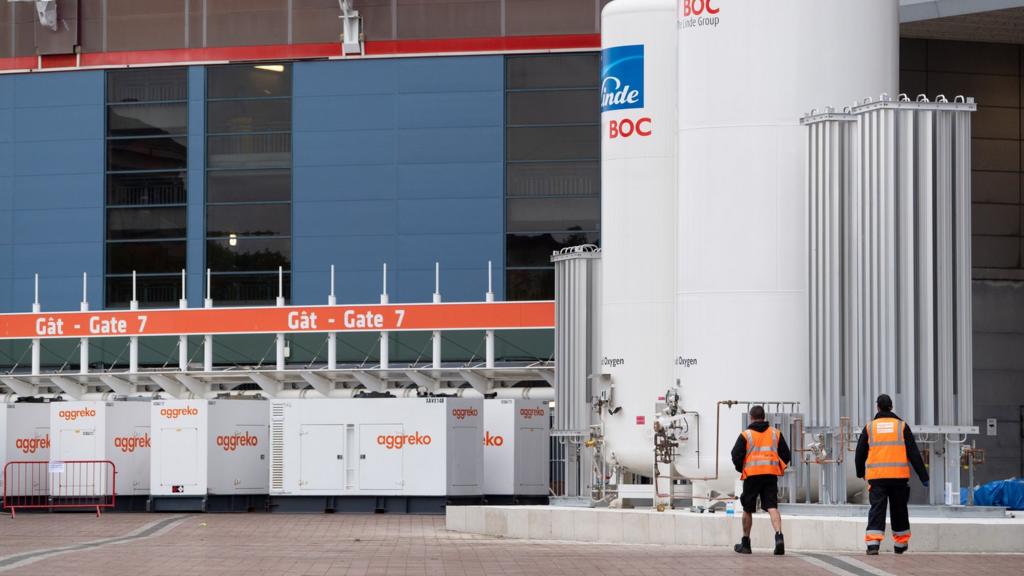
{"x": 59, "y": 485}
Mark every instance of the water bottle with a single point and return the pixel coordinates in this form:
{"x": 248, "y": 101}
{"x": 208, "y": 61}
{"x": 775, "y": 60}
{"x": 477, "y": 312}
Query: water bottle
{"x": 730, "y": 509}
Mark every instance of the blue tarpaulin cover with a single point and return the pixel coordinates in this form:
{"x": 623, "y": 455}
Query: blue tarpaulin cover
{"x": 1008, "y": 493}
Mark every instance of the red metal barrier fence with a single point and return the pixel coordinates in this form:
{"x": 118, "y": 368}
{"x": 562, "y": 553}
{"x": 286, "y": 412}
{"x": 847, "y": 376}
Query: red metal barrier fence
{"x": 55, "y": 485}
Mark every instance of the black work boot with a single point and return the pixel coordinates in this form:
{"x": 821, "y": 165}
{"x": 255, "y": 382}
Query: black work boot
{"x": 900, "y": 549}
{"x": 780, "y": 544}
{"x": 872, "y": 550}
{"x": 744, "y": 546}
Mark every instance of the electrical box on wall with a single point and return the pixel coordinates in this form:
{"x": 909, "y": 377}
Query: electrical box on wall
{"x": 990, "y": 426}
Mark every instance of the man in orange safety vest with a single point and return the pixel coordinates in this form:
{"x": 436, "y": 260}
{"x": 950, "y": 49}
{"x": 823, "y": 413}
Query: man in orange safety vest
{"x": 761, "y": 456}
{"x": 885, "y": 453}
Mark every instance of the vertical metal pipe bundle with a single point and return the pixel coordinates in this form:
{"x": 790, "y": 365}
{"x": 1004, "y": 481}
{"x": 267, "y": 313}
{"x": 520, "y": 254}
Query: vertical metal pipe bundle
{"x": 888, "y": 195}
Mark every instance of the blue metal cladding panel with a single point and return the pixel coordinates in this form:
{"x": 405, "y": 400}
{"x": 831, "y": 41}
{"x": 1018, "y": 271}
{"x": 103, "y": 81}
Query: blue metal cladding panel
{"x": 398, "y": 161}
{"x": 51, "y": 188}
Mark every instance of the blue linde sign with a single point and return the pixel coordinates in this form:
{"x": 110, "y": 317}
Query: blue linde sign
{"x": 622, "y": 78}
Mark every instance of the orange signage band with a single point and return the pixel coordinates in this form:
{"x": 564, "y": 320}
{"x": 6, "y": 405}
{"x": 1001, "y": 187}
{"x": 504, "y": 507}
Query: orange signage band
{"x": 284, "y": 319}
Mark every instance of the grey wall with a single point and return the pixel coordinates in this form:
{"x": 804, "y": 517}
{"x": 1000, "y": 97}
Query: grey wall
{"x": 999, "y": 375}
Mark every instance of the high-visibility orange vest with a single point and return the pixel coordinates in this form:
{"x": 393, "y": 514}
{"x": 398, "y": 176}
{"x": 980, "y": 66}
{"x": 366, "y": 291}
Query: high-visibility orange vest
{"x": 887, "y": 453}
{"x": 762, "y": 453}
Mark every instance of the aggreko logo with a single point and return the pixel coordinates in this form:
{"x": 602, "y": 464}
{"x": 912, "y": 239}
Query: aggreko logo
{"x": 397, "y": 441}
{"x": 30, "y": 445}
{"x": 172, "y": 413}
{"x": 128, "y": 444}
{"x": 494, "y": 441}
{"x": 528, "y": 413}
{"x": 236, "y": 440}
{"x": 72, "y": 415}
{"x": 461, "y": 413}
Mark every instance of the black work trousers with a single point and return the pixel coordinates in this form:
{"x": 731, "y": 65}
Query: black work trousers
{"x": 893, "y": 494}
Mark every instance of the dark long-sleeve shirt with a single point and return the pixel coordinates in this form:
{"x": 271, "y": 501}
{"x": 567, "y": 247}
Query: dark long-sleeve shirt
{"x": 913, "y": 454}
{"x": 739, "y": 450}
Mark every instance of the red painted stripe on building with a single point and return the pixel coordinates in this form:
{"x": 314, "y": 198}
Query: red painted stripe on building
{"x": 385, "y": 48}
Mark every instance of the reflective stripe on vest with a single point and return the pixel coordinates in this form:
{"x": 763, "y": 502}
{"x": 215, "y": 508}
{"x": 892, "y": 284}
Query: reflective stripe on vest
{"x": 887, "y": 452}
{"x": 762, "y": 454}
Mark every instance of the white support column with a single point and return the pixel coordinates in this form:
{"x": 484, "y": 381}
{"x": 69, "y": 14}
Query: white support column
{"x": 133, "y": 342}
{"x": 385, "y": 355}
{"x": 332, "y": 337}
{"x": 36, "y": 309}
{"x": 489, "y": 362}
{"x": 83, "y": 346}
{"x": 183, "y": 340}
{"x": 280, "y": 302}
{"x": 436, "y": 354}
{"x": 208, "y": 339}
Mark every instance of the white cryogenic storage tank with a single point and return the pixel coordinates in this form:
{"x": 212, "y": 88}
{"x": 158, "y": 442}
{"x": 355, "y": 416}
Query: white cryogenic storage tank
{"x": 94, "y": 430}
{"x": 24, "y": 436}
{"x": 748, "y": 70}
{"x": 638, "y": 211}
{"x": 406, "y": 447}
{"x": 516, "y": 447}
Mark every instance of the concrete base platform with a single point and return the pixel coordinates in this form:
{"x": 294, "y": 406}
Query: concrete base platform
{"x": 835, "y": 534}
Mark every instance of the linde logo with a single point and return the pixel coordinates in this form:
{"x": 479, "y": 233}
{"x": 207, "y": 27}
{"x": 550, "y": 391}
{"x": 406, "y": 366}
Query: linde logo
{"x": 493, "y": 441}
{"x": 236, "y": 440}
{"x": 72, "y": 415}
{"x": 528, "y": 413}
{"x": 30, "y": 445}
{"x": 461, "y": 413}
{"x": 128, "y": 444}
{"x": 622, "y": 78}
{"x": 399, "y": 441}
{"x": 173, "y": 413}
{"x": 699, "y": 13}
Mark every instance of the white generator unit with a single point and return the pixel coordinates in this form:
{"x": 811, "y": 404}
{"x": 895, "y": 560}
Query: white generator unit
{"x": 516, "y": 449}
{"x": 209, "y": 454}
{"x": 375, "y": 454}
{"x": 24, "y": 437}
{"x": 95, "y": 430}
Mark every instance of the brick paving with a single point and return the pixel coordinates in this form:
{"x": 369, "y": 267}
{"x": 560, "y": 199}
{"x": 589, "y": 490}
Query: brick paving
{"x": 323, "y": 545}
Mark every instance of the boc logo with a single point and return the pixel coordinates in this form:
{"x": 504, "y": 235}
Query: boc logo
{"x": 622, "y": 78}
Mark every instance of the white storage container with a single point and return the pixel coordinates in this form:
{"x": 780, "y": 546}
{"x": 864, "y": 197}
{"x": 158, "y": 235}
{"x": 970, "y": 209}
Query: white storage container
{"x": 376, "y": 447}
{"x": 208, "y": 448}
{"x": 24, "y": 436}
{"x": 94, "y": 430}
{"x": 516, "y": 447}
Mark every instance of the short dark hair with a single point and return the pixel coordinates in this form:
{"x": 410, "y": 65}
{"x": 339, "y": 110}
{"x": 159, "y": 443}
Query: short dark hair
{"x": 757, "y": 413}
{"x": 884, "y": 402}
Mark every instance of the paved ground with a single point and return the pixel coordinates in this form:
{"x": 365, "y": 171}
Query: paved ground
{"x": 321, "y": 545}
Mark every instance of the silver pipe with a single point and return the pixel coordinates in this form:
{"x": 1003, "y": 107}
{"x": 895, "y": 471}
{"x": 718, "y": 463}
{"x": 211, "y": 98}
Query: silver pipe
{"x": 925, "y": 269}
{"x": 944, "y": 265}
{"x": 964, "y": 272}
{"x": 906, "y": 248}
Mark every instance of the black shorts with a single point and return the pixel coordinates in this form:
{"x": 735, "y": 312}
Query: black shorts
{"x": 765, "y": 487}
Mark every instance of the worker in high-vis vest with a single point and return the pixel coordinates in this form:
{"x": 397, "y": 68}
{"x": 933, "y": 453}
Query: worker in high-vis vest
{"x": 885, "y": 453}
{"x": 760, "y": 456}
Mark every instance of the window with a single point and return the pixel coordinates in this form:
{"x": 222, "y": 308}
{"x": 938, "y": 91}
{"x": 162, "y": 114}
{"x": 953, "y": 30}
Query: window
{"x": 147, "y": 127}
{"x": 248, "y": 182}
{"x": 552, "y": 165}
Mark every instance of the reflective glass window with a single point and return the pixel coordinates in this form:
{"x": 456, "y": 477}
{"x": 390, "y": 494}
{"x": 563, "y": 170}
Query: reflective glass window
{"x": 247, "y": 289}
{"x": 145, "y": 257}
{"x": 146, "y": 154}
{"x": 530, "y": 284}
{"x": 137, "y": 189}
{"x": 239, "y": 116}
{"x": 249, "y": 80}
{"x": 145, "y": 223}
{"x": 249, "y": 151}
{"x": 248, "y": 254}
{"x": 248, "y": 220}
{"x": 248, "y": 186}
{"x": 163, "y": 291}
{"x": 553, "y": 214}
{"x": 147, "y": 85}
{"x": 536, "y": 249}
{"x": 147, "y": 119}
